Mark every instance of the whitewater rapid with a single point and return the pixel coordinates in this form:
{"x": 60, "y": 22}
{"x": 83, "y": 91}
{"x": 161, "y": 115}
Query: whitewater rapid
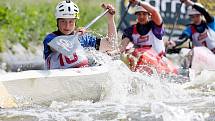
{"x": 131, "y": 96}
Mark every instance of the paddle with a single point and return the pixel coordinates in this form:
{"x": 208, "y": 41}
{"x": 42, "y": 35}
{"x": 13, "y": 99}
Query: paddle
{"x": 68, "y": 44}
{"x": 123, "y": 17}
{"x": 174, "y": 24}
{"x": 6, "y": 100}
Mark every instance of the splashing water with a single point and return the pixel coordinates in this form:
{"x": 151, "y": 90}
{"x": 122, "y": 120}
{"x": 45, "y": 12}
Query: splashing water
{"x": 129, "y": 96}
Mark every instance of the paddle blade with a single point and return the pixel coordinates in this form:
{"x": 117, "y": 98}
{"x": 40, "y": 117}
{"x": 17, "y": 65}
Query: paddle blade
{"x": 202, "y": 59}
{"x": 6, "y": 100}
{"x": 65, "y": 44}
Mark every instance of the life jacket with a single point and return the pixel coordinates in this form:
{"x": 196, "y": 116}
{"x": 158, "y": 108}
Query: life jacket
{"x": 148, "y": 40}
{"x": 206, "y": 38}
{"x": 146, "y": 59}
{"x": 56, "y": 60}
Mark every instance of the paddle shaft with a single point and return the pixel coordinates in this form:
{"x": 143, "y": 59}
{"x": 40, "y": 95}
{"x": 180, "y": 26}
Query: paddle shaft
{"x": 95, "y": 19}
{"x": 175, "y": 22}
{"x": 123, "y": 17}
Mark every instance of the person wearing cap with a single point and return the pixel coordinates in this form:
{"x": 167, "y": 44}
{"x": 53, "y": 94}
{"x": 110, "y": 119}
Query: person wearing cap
{"x": 142, "y": 47}
{"x": 147, "y": 32}
{"x": 67, "y": 14}
{"x": 201, "y": 30}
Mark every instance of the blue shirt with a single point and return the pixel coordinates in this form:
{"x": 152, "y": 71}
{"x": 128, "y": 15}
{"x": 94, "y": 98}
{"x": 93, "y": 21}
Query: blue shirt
{"x": 86, "y": 40}
{"x": 199, "y": 28}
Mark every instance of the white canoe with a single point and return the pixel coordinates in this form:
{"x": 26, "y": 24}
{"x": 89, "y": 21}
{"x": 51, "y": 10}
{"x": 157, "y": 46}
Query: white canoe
{"x": 44, "y": 86}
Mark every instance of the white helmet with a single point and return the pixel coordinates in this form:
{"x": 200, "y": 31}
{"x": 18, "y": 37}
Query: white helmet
{"x": 140, "y": 9}
{"x": 67, "y": 9}
{"x": 193, "y": 11}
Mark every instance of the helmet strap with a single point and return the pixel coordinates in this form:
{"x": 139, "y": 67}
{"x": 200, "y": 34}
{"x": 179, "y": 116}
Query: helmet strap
{"x": 57, "y": 23}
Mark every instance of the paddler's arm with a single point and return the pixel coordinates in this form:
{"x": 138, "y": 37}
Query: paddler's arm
{"x": 126, "y": 38}
{"x": 209, "y": 18}
{"x": 107, "y": 44}
{"x": 155, "y": 15}
{"x": 186, "y": 34}
{"x": 182, "y": 39}
{"x": 124, "y": 44}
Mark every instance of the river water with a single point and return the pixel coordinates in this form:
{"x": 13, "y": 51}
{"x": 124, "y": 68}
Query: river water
{"x": 131, "y": 96}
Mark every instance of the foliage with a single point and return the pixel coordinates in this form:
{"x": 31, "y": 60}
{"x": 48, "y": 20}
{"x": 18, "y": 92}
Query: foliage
{"x": 25, "y": 21}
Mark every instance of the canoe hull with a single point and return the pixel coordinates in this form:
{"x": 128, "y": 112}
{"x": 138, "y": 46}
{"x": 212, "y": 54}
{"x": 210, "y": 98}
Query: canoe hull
{"x": 42, "y": 87}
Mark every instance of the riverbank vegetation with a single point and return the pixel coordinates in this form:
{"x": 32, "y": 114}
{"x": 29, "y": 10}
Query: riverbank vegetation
{"x": 26, "y": 21}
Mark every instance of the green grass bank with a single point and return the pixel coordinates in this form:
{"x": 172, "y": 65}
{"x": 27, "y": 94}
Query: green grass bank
{"x": 26, "y": 21}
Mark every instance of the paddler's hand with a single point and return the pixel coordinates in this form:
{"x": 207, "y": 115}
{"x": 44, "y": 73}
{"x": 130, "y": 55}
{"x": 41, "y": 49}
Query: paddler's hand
{"x": 110, "y": 7}
{"x": 187, "y": 2}
{"x": 171, "y": 44}
{"x": 80, "y": 31}
{"x": 134, "y": 2}
{"x": 184, "y": 1}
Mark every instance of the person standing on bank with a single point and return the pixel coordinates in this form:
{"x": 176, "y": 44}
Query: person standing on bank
{"x": 148, "y": 31}
{"x": 67, "y": 14}
{"x": 201, "y": 30}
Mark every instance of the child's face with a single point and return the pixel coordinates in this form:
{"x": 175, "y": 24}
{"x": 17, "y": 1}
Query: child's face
{"x": 196, "y": 19}
{"x": 66, "y": 25}
{"x": 142, "y": 17}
